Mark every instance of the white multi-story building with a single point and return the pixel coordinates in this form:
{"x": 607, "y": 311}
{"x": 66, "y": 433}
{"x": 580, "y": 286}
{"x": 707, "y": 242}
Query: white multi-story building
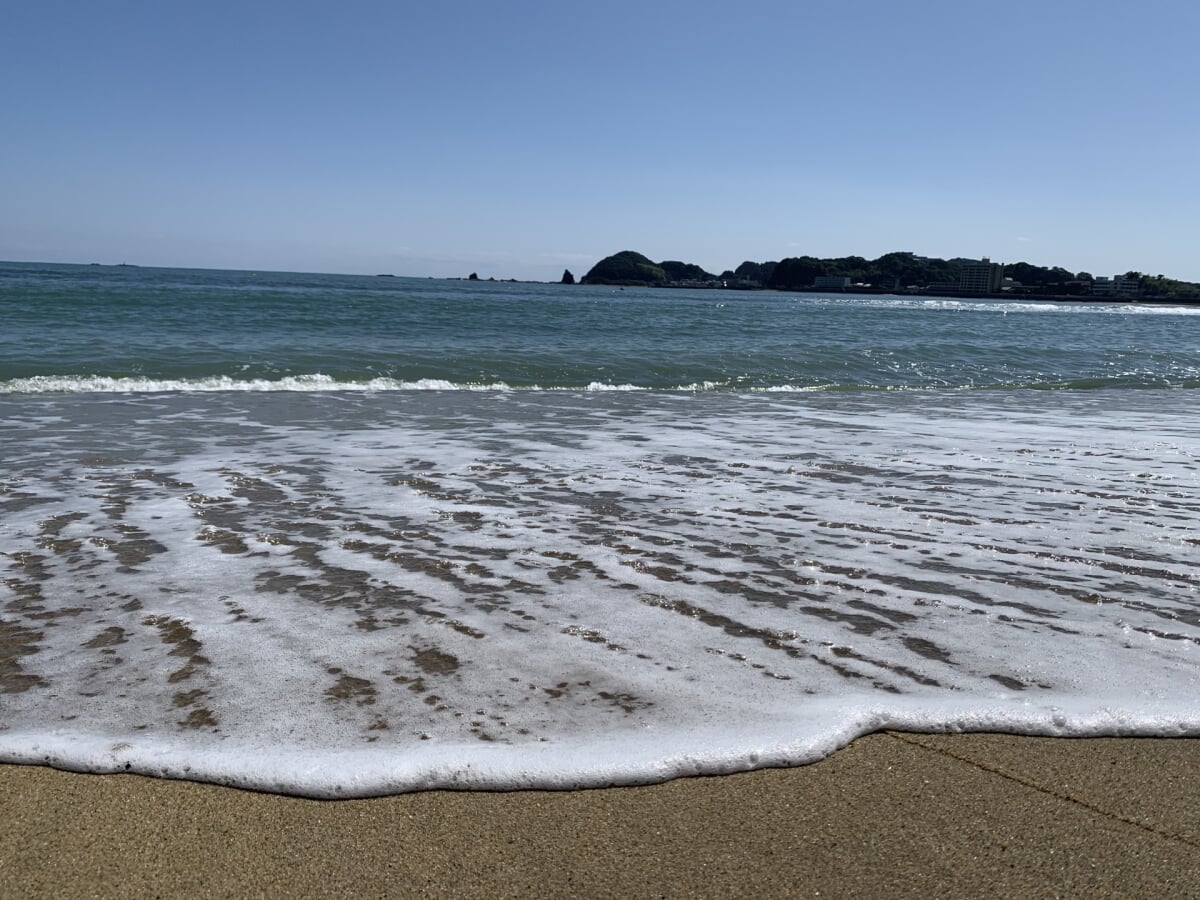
{"x": 1117, "y": 286}
{"x": 831, "y": 282}
{"x": 983, "y": 277}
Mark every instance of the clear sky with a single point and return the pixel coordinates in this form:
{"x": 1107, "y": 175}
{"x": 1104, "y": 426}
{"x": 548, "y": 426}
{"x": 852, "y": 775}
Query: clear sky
{"x": 519, "y": 138}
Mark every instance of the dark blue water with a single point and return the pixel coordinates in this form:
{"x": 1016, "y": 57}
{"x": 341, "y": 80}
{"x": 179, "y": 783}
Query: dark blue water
{"x": 86, "y": 328}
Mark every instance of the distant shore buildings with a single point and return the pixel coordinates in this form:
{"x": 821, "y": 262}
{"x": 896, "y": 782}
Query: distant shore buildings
{"x": 1117, "y": 286}
{"x": 831, "y": 282}
{"x": 897, "y": 272}
{"x": 983, "y": 277}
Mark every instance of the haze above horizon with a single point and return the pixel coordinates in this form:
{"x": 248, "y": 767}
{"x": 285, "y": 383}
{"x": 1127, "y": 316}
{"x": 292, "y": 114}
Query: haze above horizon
{"x": 517, "y": 140}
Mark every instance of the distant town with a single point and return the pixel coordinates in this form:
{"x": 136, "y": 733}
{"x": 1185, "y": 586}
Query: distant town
{"x": 899, "y": 272}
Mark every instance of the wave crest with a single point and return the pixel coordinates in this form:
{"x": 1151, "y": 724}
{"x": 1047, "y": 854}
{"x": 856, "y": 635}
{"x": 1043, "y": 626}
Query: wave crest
{"x": 103, "y": 384}
{"x": 316, "y": 383}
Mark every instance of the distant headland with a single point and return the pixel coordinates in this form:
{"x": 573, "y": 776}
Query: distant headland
{"x": 898, "y": 272}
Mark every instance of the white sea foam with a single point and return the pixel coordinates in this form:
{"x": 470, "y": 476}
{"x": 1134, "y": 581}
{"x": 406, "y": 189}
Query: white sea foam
{"x": 101, "y": 384}
{"x": 599, "y": 760}
{"x": 318, "y": 383}
{"x": 604, "y": 386}
{"x": 351, "y": 595}
{"x": 1015, "y": 306}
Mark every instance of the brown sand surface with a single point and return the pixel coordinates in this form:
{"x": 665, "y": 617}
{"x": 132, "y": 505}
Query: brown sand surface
{"x": 891, "y": 815}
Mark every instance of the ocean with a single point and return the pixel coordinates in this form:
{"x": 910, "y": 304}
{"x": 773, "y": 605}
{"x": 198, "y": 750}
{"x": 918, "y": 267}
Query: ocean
{"x": 344, "y": 536}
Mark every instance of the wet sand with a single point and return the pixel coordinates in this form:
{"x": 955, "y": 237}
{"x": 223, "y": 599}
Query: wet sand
{"x": 892, "y": 814}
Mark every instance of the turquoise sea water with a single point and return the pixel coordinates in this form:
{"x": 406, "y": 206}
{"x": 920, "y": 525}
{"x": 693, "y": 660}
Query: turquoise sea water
{"x": 343, "y": 535}
{"x": 199, "y": 328}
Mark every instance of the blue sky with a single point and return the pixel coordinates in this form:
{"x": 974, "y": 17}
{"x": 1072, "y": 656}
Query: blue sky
{"x": 516, "y": 139}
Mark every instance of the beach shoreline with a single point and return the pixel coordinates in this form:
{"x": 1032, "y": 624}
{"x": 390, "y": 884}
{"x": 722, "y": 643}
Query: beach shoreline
{"x": 893, "y": 813}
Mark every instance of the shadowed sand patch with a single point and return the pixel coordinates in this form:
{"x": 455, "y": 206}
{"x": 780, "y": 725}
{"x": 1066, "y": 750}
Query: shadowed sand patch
{"x": 16, "y": 641}
{"x": 433, "y": 661}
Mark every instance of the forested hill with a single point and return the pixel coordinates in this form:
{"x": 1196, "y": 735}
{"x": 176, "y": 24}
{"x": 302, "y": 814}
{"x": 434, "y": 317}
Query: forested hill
{"x": 900, "y": 271}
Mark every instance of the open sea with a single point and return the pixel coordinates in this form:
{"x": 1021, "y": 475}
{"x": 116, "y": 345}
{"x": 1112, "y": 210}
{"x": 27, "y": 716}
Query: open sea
{"x": 342, "y": 536}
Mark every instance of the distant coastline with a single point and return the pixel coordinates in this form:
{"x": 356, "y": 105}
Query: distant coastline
{"x": 902, "y": 273}
{"x": 1036, "y": 283}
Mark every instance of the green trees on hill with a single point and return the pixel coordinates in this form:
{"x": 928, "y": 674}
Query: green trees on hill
{"x": 1030, "y": 274}
{"x": 795, "y": 271}
{"x": 1158, "y": 286}
{"x": 626, "y": 267}
{"x": 892, "y": 271}
{"x": 905, "y": 269}
{"x": 755, "y": 272}
{"x": 898, "y": 271}
{"x": 631, "y": 268}
{"x": 679, "y": 271}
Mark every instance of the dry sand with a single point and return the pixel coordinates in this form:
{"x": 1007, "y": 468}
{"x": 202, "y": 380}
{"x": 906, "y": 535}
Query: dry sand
{"x": 891, "y": 815}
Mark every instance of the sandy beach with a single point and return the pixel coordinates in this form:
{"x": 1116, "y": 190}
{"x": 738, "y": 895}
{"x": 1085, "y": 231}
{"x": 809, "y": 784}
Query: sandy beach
{"x": 892, "y": 814}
